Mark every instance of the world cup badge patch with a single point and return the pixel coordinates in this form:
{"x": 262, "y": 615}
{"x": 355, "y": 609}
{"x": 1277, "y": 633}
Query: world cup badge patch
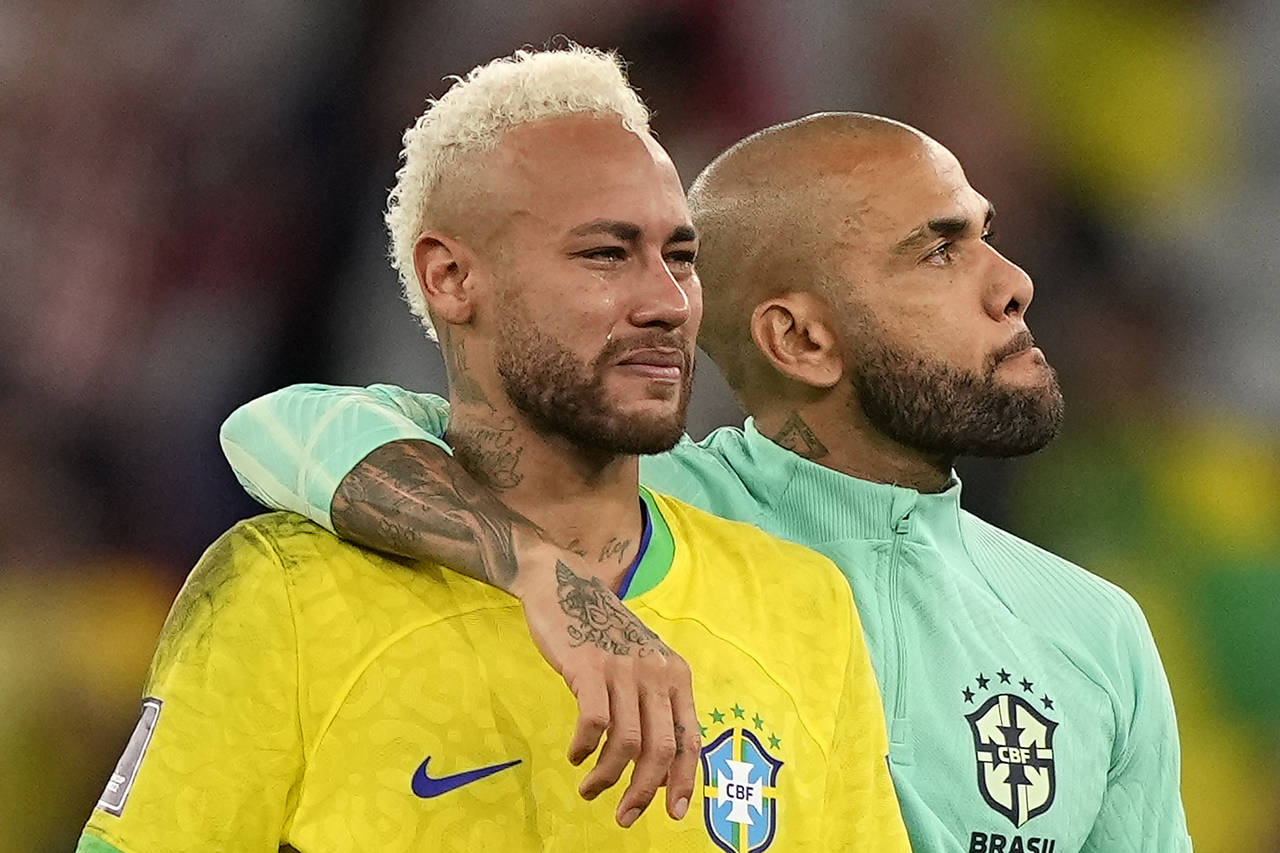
{"x": 740, "y": 797}
{"x": 1013, "y": 746}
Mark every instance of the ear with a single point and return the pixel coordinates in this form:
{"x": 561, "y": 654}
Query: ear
{"x": 444, "y": 267}
{"x": 794, "y": 333}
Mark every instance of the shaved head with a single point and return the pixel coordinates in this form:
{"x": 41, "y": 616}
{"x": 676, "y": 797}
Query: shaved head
{"x": 848, "y": 271}
{"x": 772, "y": 211}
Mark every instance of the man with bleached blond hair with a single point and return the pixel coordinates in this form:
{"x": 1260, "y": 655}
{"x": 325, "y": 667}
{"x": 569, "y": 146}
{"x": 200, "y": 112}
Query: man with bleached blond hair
{"x": 312, "y": 694}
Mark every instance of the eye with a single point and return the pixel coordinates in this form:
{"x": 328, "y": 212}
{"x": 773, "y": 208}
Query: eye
{"x": 941, "y": 255}
{"x": 681, "y": 260}
{"x": 605, "y": 253}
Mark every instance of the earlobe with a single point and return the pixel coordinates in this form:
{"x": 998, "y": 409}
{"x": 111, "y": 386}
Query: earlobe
{"x": 794, "y": 334}
{"x": 443, "y": 267}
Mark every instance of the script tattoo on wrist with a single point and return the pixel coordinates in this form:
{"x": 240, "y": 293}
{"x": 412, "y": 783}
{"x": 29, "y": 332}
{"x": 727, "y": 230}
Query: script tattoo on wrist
{"x": 797, "y": 437}
{"x": 410, "y": 498}
{"x": 599, "y": 619}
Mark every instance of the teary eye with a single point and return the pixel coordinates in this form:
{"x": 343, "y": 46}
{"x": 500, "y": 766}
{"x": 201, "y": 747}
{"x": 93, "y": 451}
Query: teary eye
{"x": 604, "y": 253}
{"x": 941, "y": 254}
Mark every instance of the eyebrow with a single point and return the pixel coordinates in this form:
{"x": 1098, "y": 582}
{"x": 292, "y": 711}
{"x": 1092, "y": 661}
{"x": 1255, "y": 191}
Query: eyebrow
{"x": 629, "y": 232}
{"x": 943, "y": 226}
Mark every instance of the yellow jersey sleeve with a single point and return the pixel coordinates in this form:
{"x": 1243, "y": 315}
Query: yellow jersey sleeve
{"x": 218, "y": 752}
{"x": 858, "y": 770}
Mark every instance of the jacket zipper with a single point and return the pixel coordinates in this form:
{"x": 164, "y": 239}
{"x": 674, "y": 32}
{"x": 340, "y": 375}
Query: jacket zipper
{"x": 900, "y": 529}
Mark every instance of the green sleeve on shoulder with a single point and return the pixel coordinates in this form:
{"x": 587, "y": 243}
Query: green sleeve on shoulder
{"x": 291, "y": 448}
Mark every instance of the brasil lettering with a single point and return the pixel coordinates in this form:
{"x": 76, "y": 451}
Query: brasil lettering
{"x": 980, "y": 842}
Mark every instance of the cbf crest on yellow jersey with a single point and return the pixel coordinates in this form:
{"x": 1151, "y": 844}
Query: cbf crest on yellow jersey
{"x": 310, "y": 693}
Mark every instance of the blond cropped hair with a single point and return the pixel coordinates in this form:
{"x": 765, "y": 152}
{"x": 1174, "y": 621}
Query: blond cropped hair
{"x": 472, "y": 117}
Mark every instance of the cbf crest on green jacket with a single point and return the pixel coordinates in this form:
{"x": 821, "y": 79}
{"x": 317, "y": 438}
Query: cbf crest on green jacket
{"x": 1027, "y": 708}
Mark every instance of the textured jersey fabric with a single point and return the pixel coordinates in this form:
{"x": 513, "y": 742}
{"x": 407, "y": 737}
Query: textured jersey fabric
{"x": 1027, "y": 706}
{"x": 319, "y": 695}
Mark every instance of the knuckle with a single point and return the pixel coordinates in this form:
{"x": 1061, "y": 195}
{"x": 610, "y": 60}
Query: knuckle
{"x": 642, "y": 793}
{"x": 628, "y": 743}
{"x": 665, "y": 748}
{"x": 595, "y": 720}
{"x": 648, "y": 688}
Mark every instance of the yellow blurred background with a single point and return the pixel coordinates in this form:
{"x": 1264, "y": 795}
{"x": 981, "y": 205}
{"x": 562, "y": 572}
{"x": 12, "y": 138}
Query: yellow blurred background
{"x": 190, "y": 200}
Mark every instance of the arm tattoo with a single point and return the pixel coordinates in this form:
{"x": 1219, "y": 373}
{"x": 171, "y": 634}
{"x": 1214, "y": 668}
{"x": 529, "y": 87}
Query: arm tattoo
{"x": 411, "y": 498}
{"x": 599, "y": 619}
{"x": 796, "y": 436}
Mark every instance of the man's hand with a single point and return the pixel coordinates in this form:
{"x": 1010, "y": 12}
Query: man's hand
{"x": 628, "y": 683}
{"x": 411, "y": 498}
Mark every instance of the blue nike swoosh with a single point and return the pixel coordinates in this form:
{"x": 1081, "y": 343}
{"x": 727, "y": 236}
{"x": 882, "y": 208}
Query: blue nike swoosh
{"x": 426, "y": 787}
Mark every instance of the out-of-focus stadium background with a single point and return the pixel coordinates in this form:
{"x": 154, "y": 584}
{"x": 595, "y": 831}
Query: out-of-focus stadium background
{"x": 190, "y": 199}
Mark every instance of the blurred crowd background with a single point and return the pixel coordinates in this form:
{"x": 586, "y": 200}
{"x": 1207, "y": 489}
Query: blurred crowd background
{"x": 190, "y": 200}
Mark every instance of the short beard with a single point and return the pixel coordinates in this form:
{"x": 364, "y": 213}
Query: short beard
{"x": 936, "y": 409}
{"x": 560, "y": 395}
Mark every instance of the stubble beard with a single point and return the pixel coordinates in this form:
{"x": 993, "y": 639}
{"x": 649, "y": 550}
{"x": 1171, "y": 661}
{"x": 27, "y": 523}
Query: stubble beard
{"x": 937, "y": 409}
{"x": 560, "y": 395}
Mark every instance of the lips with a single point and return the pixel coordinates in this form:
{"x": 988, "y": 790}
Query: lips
{"x": 654, "y": 358}
{"x": 1019, "y": 344}
{"x": 660, "y": 364}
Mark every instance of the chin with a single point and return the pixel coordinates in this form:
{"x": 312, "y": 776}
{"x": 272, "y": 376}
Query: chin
{"x": 650, "y": 426}
{"x": 644, "y": 436}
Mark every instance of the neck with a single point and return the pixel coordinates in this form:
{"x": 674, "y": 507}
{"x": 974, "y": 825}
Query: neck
{"x": 586, "y": 501}
{"x": 838, "y": 436}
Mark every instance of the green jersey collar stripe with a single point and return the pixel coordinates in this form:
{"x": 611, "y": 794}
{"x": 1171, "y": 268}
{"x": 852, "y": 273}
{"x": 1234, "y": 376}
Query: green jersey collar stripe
{"x": 657, "y": 558}
{"x": 93, "y": 844}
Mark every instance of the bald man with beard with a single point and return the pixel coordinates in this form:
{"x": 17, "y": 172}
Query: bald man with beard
{"x": 873, "y": 334}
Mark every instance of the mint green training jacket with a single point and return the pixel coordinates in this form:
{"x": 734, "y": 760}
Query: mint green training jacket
{"x": 1027, "y": 708}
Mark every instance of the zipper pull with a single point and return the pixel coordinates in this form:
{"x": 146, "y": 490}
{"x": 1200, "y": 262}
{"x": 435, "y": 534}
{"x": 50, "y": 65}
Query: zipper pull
{"x": 903, "y": 524}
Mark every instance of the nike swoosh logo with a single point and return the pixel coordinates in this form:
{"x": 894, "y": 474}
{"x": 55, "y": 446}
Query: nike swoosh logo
{"x": 426, "y": 787}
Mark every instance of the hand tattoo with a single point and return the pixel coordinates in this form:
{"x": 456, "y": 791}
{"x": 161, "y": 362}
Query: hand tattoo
{"x": 600, "y": 619}
{"x": 796, "y": 436}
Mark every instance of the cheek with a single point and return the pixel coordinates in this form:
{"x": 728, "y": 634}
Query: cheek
{"x": 576, "y": 307}
{"x": 927, "y": 330}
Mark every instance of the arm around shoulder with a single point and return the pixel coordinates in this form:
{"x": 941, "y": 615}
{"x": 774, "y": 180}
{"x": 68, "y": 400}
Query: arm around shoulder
{"x": 291, "y": 448}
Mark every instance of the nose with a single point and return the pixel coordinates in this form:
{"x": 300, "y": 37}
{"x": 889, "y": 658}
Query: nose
{"x": 661, "y": 297}
{"x": 1010, "y": 291}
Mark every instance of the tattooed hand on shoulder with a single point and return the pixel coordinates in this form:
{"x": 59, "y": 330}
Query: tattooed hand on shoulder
{"x": 411, "y": 498}
{"x": 631, "y": 688}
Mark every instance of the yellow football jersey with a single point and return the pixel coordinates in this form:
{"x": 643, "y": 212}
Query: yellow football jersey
{"x": 310, "y": 693}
